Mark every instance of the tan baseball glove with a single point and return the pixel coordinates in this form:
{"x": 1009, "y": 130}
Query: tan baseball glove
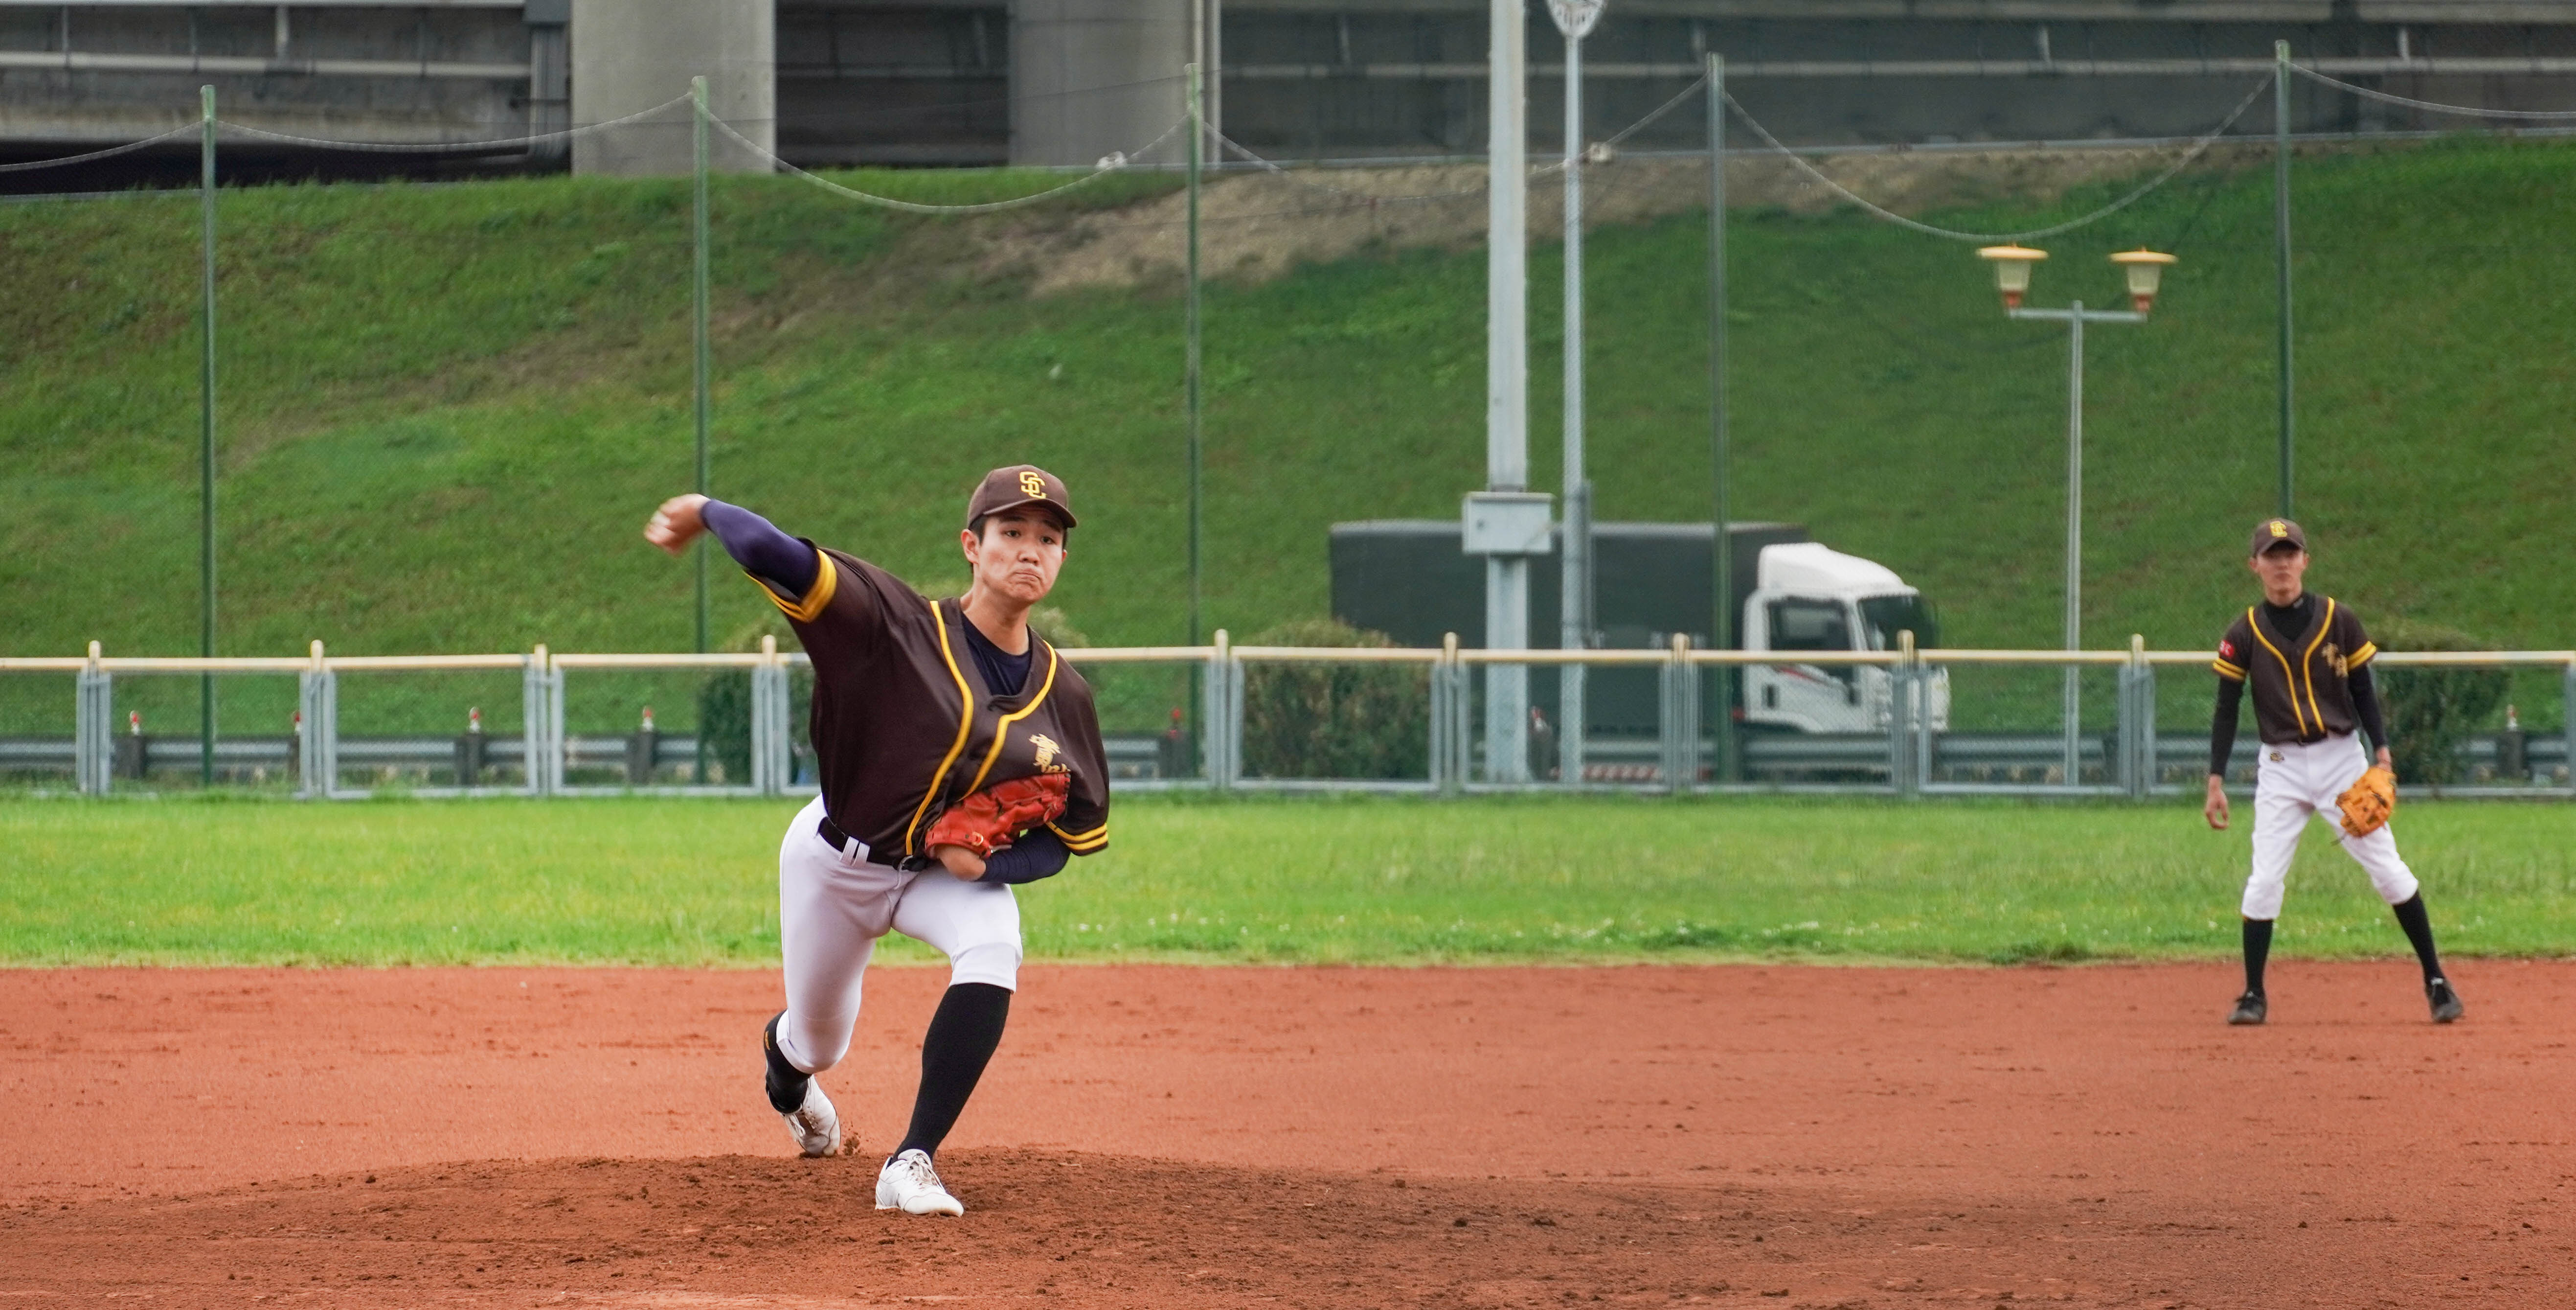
{"x": 2367, "y": 803}
{"x": 991, "y": 819}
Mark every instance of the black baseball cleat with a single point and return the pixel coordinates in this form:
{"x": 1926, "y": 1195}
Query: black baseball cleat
{"x": 2250, "y": 1009}
{"x": 2445, "y": 1002}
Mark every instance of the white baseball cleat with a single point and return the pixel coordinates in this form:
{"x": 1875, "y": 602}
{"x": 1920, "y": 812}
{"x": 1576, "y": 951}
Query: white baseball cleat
{"x": 909, "y": 1184}
{"x": 815, "y": 1125}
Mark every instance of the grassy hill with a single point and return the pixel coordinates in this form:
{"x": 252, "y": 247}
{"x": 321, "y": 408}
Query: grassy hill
{"x": 447, "y": 410}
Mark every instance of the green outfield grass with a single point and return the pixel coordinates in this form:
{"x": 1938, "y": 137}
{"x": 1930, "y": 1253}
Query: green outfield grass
{"x": 209, "y": 882}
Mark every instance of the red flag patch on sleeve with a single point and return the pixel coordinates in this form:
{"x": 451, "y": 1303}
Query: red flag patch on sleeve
{"x": 2227, "y": 648}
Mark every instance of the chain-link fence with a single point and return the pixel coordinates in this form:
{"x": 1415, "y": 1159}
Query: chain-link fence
{"x": 437, "y": 414}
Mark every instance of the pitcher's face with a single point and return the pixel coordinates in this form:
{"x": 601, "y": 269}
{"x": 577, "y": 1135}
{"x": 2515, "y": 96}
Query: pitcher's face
{"x": 1018, "y": 555}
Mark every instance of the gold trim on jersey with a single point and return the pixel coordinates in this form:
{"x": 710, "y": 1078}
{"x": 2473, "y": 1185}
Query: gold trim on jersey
{"x": 1082, "y": 843}
{"x": 965, "y": 721}
{"x": 2256, "y": 625}
{"x": 2307, "y": 665}
{"x": 2362, "y": 656}
{"x": 826, "y": 581}
{"x": 1002, "y": 730}
{"x": 2231, "y": 672}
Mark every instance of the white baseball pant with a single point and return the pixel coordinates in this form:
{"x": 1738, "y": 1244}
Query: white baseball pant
{"x": 2294, "y": 783}
{"x": 832, "y": 908}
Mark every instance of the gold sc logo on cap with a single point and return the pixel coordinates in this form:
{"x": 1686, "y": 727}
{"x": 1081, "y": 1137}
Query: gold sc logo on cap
{"x": 2279, "y": 529}
{"x": 1033, "y": 485}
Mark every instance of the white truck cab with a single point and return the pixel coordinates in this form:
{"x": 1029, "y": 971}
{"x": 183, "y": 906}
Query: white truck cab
{"x": 1810, "y": 597}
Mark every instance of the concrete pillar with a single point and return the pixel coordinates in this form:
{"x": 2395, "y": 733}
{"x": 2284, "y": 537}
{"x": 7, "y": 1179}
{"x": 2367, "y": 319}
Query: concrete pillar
{"x": 1089, "y": 77}
{"x": 629, "y": 55}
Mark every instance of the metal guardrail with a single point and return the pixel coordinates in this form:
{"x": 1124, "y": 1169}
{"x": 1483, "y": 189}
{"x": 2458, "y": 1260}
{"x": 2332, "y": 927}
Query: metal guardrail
{"x": 2131, "y": 758}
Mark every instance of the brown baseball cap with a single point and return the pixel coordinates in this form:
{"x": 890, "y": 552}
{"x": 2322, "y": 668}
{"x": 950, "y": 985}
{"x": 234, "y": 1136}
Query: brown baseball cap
{"x": 1009, "y": 488}
{"x": 2275, "y": 532}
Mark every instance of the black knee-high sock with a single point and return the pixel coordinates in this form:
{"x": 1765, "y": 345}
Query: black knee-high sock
{"x": 784, "y": 1082}
{"x": 2419, "y": 930}
{"x": 2258, "y": 948}
{"x": 960, "y": 1042}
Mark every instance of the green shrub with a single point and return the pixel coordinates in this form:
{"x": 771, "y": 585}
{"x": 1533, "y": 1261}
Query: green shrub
{"x": 724, "y": 702}
{"x": 2431, "y": 711}
{"x": 1334, "y": 720}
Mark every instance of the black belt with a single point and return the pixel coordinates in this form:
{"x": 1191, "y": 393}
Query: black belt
{"x": 840, "y": 842}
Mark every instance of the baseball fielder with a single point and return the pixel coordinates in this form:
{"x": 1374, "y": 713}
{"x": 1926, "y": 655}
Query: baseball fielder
{"x": 959, "y": 755}
{"x": 2309, "y": 663}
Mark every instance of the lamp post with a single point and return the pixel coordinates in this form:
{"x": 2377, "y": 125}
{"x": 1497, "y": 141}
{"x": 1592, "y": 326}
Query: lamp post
{"x": 1575, "y": 19}
{"x": 2145, "y": 269}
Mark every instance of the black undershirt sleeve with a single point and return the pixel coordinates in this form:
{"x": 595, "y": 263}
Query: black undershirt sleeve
{"x": 761, "y": 549}
{"x": 2222, "y": 724}
{"x": 2365, "y": 705}
{"x": 1039, "y": 853}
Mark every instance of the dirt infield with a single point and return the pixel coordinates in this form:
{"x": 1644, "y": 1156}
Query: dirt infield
{"x": 1764, "y": 1136}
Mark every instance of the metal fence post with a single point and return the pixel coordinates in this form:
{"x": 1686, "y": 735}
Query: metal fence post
{"x": 533, "y": 720}
{"x": 769, "y": 725}
{"x": 1233, "y": 720}
{"x": 2138, "y": 720}
{"x": 1436, "y": 772}
{"x": 313, "y": 762}
{"x": 1680, "y": 729}
{"x": 1219, "y": 711}
{"x": 1922, "y": 721}
{"x": 93, "y": 755}
{"x": 2567, "y": 718}
{"x": 558, "y": 736}
{"x": 1904, "y": 686}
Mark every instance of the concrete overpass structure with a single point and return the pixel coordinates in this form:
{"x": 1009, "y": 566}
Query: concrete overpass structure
{"x": 953, "y": 82}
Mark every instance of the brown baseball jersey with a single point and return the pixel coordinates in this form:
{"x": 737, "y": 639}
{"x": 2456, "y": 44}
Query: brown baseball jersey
{"x": 2302, "y": 680}
{"x": 904, "y": 726}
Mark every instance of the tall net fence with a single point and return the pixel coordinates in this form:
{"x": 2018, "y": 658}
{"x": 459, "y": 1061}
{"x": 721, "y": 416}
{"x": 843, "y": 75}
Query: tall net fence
{"x": 441, "y": 414}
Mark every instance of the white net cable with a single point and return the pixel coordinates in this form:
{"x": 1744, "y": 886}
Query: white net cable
{"x": 129, "y": 147}
{"x": 1107, "y": 166}
{"x": 432, "y": 147}
{"x": 1667, "y": 107}
{"x": 2199, "y": 146}
{"x": 2466, "y": 111}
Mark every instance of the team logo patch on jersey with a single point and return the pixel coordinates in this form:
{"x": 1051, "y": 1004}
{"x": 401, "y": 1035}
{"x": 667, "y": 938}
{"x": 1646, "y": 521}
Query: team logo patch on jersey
{"x": 2335, "y": 661}
{"x": 2228, "y": 649}
{"x": 1045, "y": 747}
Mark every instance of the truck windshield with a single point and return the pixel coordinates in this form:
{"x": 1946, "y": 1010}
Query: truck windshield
{"x": 1799, "y": 624}
{"x": 1886, "y": 616}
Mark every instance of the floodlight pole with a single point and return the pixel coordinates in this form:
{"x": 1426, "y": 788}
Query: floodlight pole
{"x": 1190, "y": 363}
{"x": 1722, "y": 567}
{"x": 1575, "y": 19}
{"x": 1507, "y": 385}
{"x": 206, "y": 449}
{"x": 2281, "y": 245}
{"x": 698, "y": 321}
{"x": 2075, "y": 316}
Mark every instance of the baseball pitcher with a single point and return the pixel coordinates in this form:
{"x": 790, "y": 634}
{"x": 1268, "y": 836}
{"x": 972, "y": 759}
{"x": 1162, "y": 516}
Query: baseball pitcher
{"x": 959, "y": 755}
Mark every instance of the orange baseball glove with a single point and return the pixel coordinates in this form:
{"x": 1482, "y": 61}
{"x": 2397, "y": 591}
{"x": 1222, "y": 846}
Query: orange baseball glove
{"x": 991, "y": 819}
{"x": 2367, "y": 803}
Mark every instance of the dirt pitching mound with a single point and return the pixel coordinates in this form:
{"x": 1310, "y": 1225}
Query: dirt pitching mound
{"x": 1157, "y": 1136}
{"x": 1056, "y": 1228}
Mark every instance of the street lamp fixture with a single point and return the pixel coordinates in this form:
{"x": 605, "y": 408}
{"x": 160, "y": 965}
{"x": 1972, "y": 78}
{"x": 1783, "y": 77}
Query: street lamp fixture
{"x": 2012, "y": 270}
{"x": 2145, "y": 268}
